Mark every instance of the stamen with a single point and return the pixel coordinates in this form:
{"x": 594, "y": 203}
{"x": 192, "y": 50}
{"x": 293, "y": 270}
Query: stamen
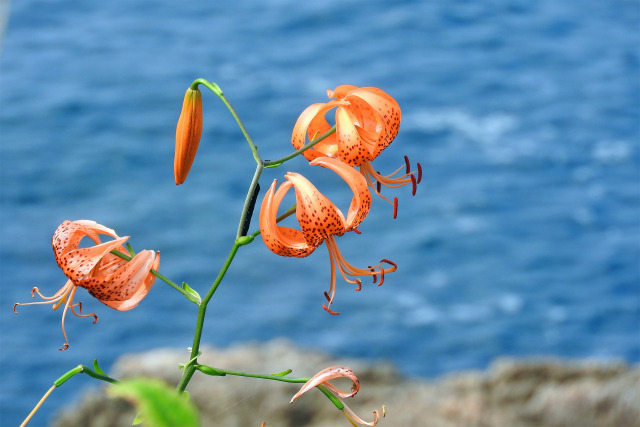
{"x": 381, "y": 277}
{"x": 378, "y": 186}
{"x": 335, "y": 313}
{"x": 407, "y": 164}
{"x": 375, "y": 276}
{"x": 389, "y": 262}
{"x": 359, "y": 282}
{"x": 395, "y": 207}
{"x": 14, "y": 307}
{"x": 419, "y": 173}
{"x": 414, "y": 184}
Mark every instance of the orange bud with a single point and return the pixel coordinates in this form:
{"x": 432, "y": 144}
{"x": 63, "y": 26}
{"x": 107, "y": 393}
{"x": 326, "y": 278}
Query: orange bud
{"x": 188, "y": 134}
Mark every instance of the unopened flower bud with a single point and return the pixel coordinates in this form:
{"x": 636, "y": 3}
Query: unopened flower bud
{"x": 188, "y": 134}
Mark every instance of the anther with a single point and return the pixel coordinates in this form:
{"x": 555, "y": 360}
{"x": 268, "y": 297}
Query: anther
{"x": 33, "y": 292}
{"x": 395, "y": 207}
{"x": 359, "y": 282}
{"x": 335, "y": 313}
{"x": 64, "y": 347}
{"x": 381, "y": 277}
{"x": 357, "y": 231}
{"x": 375, "y": 276}
{"x": 14, "y": 307}
{"x": 378, "y": 186}
{"x": 326, "y": 295}
{"x": 414, "y": 184}
{"x": 80, "y": 308}
{"x": 95, "y": 318}
{"x": 389, "y": 262}
{"x": 419, "y": 173}
{"x": 407, "y": 164}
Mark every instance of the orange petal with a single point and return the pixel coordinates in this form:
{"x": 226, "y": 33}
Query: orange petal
{"x": 361, "y": 201}
{"x": 323, "y": 377}
{"x": 124, "y": 283}
{"x": 312, "y": 124}
{"x": 319, "y": 218}
{"x": 282, "y": 241}
{"x": 68, "y": 235}
{"x": 351, "y": 147}
{"x": 78, "y": 263}
{"x": 340, "y": 91}
{"x": 141, "y": 288}
{"x": 188, "y": 133}
{"x": 387, "y": 108}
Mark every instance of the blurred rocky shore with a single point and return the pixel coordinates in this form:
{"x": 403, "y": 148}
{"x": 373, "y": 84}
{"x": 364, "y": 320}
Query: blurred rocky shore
{"x": 511, "y": 392}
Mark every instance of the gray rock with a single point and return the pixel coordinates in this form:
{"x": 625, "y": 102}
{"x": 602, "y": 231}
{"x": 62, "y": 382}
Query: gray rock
{"x": 513, "y": 393}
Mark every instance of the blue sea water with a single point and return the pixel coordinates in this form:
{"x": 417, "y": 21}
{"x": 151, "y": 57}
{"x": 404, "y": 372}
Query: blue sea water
{"x": 523, "y": 238}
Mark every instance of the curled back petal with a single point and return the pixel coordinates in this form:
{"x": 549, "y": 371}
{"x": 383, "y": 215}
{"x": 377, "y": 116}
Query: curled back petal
{"x": 282, "y": 241}
{"x": 136, "y": 283}
{"x": 340, "y": 91}
{"x": 351, "y": 147}
{"x": 311, "y": 124}
{"x": 387, "y": 109}
{"x": 361, "y": 201}
{"x": 319, "y": 218}
{"x": 68, "y": 235}
{"x": 123, "y": 283}
{"x": 323, "y": 377}
{"x": 78, "y": 263}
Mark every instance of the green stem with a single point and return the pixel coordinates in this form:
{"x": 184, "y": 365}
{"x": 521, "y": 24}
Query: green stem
{"x": 275, "y": 163}
{"x": 216, "y": 89}
{"x": 178, "y": 288}
{"x": 222, "y": 372}
{"x": 195, "y": 348}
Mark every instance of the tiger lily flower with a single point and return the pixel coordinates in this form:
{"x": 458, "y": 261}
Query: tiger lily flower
{"x": 115, "y": 282}
{"x": 320, "y": 221}
{"x": 367, "y": 121}
{"x": 188, "y": 133}
{"x": 323, "y": 377}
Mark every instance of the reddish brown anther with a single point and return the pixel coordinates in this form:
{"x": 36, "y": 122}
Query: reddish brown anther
{"x": 389, "y": 262}
{"x": 407, "y": 164}
{"x": 414, "y": 185}
{"x": 381, "y": 277}
{"x": 378, "y": 186}
{"x": 335, "y": 313}
{"x": 419, "y": 173}
{"x": 395, "y": 207}
{"x": 359, "y": 283}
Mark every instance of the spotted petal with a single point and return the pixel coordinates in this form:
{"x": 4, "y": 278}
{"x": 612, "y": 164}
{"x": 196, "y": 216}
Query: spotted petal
{"x": 78, "y": 263}
{"x": 282, "y": 241}
{"x": 387, "y": 108}
{"x": 323, "y": 377}
{"x": 319, "y": 218}
{"x": 312, "y": 124}
{"x": 361, "y": 201}
{"x": 124, "y": 287}
{"x": 68, "y": 235}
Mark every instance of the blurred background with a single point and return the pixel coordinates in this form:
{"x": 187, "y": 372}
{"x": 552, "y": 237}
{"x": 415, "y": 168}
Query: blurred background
{"x": 523, "y": 238}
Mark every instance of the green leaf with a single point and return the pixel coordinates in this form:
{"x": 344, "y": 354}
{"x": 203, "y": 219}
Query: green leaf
{"x": 191, "y": 291}
{"x": 159, "y": 405}
{"x": 138, "y": 420}
{"x": 97, "y": 368}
